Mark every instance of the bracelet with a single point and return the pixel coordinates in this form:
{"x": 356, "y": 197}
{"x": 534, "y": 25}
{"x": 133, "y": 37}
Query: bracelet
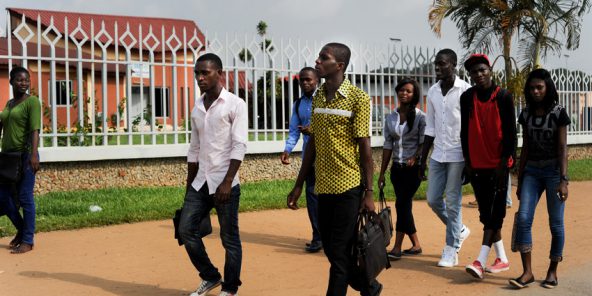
{"x": 368, "y": 189}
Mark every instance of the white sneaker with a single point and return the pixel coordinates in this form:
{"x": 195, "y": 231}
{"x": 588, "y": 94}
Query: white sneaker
{"x": 449, "y": 257}
{"x": 464, "y": 234}
{"x": 224, "y": 293}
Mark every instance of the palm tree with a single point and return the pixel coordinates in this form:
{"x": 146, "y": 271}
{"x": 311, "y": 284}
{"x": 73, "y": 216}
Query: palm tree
{"x": 540, "y": 35}
{"x": 482, "y": 22}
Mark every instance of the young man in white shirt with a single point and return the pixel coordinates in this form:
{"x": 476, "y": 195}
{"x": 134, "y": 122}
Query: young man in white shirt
{"x": 219, "y": 129}
{"x": 447, "y": 161}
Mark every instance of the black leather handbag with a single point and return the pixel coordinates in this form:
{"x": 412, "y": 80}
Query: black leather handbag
{"x": 385, "y": 216}
{"x": 370, "y": 249}
{"x": 205, "y": 225}
{"x": 11, "y": 167}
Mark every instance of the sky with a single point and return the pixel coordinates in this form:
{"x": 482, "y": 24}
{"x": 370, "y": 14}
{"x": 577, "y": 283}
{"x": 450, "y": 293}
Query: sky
{"x": 349, "y": 21}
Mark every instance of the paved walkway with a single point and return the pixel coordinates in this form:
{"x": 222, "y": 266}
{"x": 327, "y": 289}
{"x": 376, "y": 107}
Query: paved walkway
{"x": 143, "y": 259}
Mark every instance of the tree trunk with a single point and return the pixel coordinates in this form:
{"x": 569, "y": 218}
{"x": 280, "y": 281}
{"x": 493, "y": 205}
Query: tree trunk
{"x": 507, "y": 43}
{"x": 537, "y": 56}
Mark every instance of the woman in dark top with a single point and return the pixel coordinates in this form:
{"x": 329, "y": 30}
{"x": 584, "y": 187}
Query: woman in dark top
{"x": 20, "y": 122}
{"x": 543, "y": 167}
{"x": 403, "y": 140}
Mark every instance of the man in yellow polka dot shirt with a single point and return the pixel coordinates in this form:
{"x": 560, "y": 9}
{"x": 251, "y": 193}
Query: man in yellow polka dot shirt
{"x": 340, "y": 148}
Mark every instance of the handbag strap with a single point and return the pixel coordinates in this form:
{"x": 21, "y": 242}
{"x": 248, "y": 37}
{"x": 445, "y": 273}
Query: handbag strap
{"x": 382, "y": 200}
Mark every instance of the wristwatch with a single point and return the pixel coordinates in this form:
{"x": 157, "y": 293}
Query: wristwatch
{"x": 565, "y": 178}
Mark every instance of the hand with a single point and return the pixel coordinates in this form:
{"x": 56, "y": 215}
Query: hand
{"x": 422, "y": 169}
{"x": 367, "y": 202}
{"x": 222, "y": 194}
{"x": 293, "y": 196}
{"x": 285, "y": 158}
{"x": 411, "y": 161}
{"x": 34, "y": 162}
{"x": 305, "y": 130}
{"x": 562, "y": 190}
{"x": 381, "y": 181}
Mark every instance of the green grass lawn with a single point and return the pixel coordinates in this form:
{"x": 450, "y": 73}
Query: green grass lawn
{"x": 70, "y": 210}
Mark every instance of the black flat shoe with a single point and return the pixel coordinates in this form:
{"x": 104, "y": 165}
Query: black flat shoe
{"x": 549, "y": 284}
{"x": 520, "y": 284}
{"x": 314, "y": 247}
{"x": 412, "y": 251}
{"x": 393, "y": 256}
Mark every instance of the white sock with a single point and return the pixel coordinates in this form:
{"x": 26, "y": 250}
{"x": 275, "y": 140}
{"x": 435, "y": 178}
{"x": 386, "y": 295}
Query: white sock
{"x": 483, "y": 254}
{"x": 499, "y": 250}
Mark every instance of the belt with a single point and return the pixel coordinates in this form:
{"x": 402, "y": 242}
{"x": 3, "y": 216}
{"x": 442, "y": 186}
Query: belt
{"x": 543, "y": 163}
{"x": 399, "y": 165}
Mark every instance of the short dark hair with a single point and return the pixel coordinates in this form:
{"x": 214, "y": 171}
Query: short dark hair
{"x": 551, "y": 96}
{"x": 210, "y": 57}
{"x": 310, "y": 69}
{"x": 450, "y": 53}
{"x": 341, "y": 52}
{"x": 16, "y": 70}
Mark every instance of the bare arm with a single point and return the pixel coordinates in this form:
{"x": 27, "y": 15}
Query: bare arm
{"x": 223, "y": 191}
{"x": 192, "y": 168}
{"x": 562, "y": 156}
{"x": 307, "y": 162}
{"x": 427, "y": 145}
{"x": 367, "y": 171}
{"x": 34, "y": 150}
{"x": 386, "y": 157}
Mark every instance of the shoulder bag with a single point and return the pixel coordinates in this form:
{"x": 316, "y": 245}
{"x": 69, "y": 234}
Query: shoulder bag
{"x": 385, "y": 216}
{"x": 370, "y": 250}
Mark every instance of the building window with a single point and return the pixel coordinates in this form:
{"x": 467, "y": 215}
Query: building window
{"x": 141, "y": 101}
{"x": 62, "y": 87}
{"x": 161, "y": 102}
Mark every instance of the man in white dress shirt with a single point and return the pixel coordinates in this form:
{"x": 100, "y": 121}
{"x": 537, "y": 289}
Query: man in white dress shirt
{"x": 218, "y": 145}
{"x": 447, "y": 161}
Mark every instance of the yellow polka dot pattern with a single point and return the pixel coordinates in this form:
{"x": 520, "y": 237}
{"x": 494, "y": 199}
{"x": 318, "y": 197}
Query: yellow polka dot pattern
{"x": 336, "y": 125}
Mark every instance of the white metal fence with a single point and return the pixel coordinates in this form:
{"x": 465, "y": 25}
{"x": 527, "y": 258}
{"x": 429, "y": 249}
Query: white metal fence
{"x": 111, "y": 94}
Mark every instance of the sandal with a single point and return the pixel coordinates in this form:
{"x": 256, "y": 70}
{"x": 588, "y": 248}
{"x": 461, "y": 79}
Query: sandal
{"x": 549, "y": 284}
{"x": 412, "y": 251}
{"x": 22, "y": 248}
{"x": 393, "y": 256}
{"x": 518, "y": 283}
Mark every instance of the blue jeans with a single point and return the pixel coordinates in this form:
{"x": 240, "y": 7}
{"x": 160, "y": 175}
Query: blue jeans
{"x": 198, "y": 203}
{"x": 312, "y": 205}
{"x": 25, "y": 224}
{"x": 535, "y": 180}
{"x": 445, "y": 177}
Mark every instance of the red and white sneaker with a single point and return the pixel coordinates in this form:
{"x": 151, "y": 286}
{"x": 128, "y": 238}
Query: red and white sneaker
{"x": 475, "y": 269}
{"x": 498, "y": 266}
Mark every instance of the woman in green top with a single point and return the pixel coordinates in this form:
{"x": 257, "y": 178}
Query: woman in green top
{"x": 20, "y": 122}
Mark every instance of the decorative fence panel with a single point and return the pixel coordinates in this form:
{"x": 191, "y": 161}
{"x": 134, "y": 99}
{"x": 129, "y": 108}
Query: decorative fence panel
{"x": 109, "y": 91}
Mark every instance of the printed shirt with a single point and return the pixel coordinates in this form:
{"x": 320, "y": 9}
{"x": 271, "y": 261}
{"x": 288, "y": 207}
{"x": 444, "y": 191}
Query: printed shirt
{"x": 336, "y": 125}
{"x": 443, "y": 121}
{"x": 217, "y": 136}
{"x": 18, "y": 123}
{"x": 302, "y": 118}
{"x": 404, "y": 147}
{"x": 542, "y": 131}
